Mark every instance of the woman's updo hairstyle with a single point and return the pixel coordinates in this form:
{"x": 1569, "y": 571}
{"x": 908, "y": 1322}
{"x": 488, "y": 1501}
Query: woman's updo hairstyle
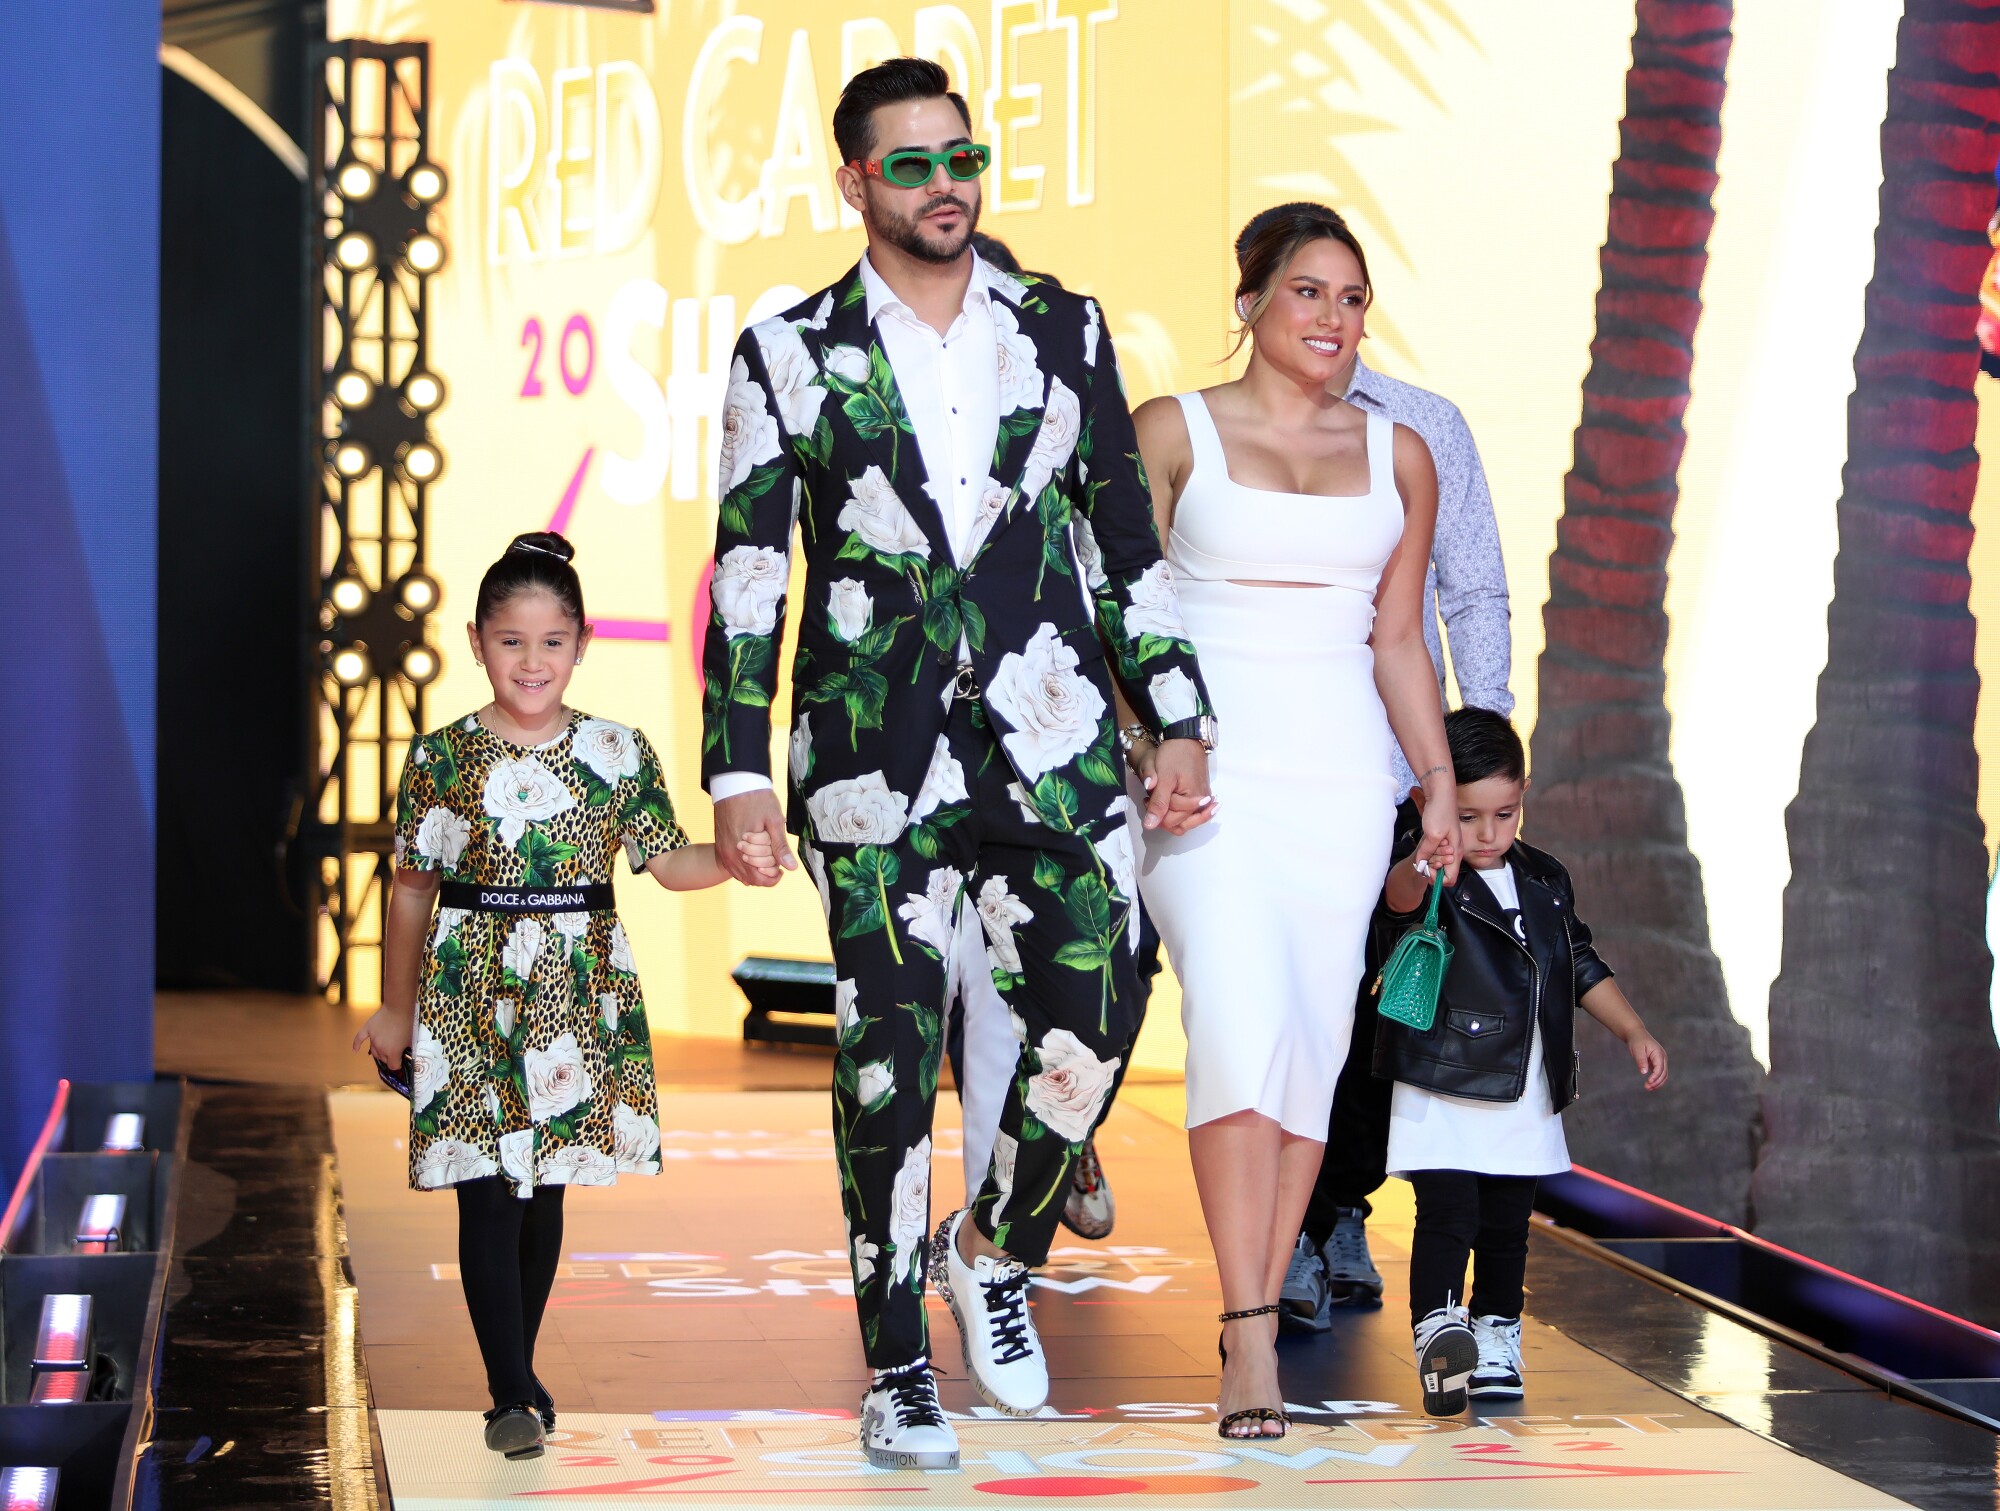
{"x": 1265, "y": 249}
{"x": 538, "y": 562}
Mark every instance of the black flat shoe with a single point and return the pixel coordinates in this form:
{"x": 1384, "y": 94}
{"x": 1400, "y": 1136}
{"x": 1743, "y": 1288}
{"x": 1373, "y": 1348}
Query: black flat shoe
{"x": 545, "y": 1405}
{"x": 514, "y": 1432}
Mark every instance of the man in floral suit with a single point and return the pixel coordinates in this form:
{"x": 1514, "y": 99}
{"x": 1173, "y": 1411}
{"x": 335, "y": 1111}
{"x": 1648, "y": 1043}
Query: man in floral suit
{"x": 952, "y": 445}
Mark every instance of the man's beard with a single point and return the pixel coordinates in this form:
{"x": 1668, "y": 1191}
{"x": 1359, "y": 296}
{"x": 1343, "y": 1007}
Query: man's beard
{"x": 905, "y": 232}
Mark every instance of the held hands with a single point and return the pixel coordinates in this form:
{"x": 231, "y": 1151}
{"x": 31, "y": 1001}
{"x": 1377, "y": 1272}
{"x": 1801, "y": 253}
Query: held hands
{"x": 750, "y": 839}
{"x": 386, "y": 1035}
{"x": 1439, "y": 844}
{"x": 1650, "y": 1056}
{"x": 1176, "y": 777}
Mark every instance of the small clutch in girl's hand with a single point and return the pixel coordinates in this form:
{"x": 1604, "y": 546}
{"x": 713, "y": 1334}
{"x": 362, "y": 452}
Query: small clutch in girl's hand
{"x": 399, "y": 1079}
{"x": 1407, "y": 990}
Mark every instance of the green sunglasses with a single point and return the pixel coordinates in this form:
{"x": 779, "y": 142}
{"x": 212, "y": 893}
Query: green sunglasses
{"x": 911, "y": 168}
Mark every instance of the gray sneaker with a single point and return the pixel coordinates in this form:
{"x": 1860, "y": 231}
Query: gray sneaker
{"x": 1305, "y": 1304}
{"x": 1088, "y": 1210}
{"x": 1350, "y": 1272}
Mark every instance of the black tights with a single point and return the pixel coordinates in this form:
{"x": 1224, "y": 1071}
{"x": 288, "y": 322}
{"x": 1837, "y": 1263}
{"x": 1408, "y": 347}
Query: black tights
{"x": 1460, "y": 1214}
{"x": 508, "y": 1250}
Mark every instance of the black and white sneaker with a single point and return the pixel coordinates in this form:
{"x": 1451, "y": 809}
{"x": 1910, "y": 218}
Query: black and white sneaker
{"x": 989, "y": 1302}
{"x": 1304, "y": 1303}
{"x": 1447, "y": 1354}
{"x": 902, "y": 1424}
{"x": 1351, "y": 1276}
{"x": 1088, "y": 1210}
{"x": 1498, "y": 1376}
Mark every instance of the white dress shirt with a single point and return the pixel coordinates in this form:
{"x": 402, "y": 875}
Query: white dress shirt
{"x": 950, "y": 385}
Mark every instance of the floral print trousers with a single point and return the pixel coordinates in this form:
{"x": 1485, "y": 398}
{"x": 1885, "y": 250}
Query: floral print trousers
{"x": 1059, "y": 925}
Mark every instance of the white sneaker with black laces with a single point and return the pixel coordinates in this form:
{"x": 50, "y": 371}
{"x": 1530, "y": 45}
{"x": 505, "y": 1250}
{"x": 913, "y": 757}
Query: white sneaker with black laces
{"x": 989, "y": 1301}
{"x": 902, "y": 1424}
{"x": 1499, "y": 1373}
{"x": 1304, "y": 1304}
{"x": 1447, "y": 1354}
{"x": 1088, "y": 1211}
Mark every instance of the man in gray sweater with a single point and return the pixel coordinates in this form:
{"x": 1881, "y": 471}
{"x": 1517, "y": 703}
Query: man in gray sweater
{"x": 1467, "y": 588}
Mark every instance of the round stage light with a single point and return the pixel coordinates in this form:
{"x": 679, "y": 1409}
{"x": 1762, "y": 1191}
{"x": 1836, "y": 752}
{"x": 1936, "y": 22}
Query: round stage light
{"x": 424, "y": 253}
{"x": 425, "y": 183}
{"x": 351, "y": 459}
{"x": 353, "y": 389}
{"x": 349, "y": 665}
{"x": 354, "y": 251}
{"x": 419, "y": 592}
{"x": 421, "y": 461}
{"x": 355, "y": 180}
{"x": 420, "y": 664}
{"x": 348, "y": 595}
{"x": 423, "y": 391}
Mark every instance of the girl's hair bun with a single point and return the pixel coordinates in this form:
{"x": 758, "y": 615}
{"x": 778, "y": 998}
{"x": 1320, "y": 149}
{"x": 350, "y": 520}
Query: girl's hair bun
{"x": 543, "y": 543}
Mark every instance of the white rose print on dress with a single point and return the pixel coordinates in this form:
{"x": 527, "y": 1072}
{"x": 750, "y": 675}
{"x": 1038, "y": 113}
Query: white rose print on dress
{"x": 1000, "y": 913}
{"x": 749, "y": 434}
{"x": 1020, "y": 796}
{"x": 1054, "y": 710}
{"x": 523, "y": 792}
{"x": 635, "y": 1141}
{"x": 610, "y": 750}
{"x": 448, "y": 919}
{"x": 801, "y": 749}
{"x": 1174, "y": 696}
{"x": 1155, "y": 608}
{"x": 929, "y": 915}
{"x": 1020, "y": 372}
{"x": 572, "y": 924}
{"x": 503, "y": 1016}
{"x": 844, "y": 995}
{"x": 557, "y": 1080}
{"x": 1062, "y": 422}
{"x": 443, "y": 836}
{"x": 1089, "y": 555}
{"x": 850, "y": 608}
{"x": 1006, "y": 1148}
{"x": 859, "y": 811}
{"x": 876, "y": 513}
{"x": 521, "y": 948}
{"x": 607, "y": 1011}
{"x": 748, "y": 582}
{"x": 943, "y": 783}
{"x": 794, "y": 377}
{"x": 621, "y": 952}
{"x": 517, "y": 1158}
{"x": 578, "y": 1165}
{"x": 430, "y": 1069}
{"x": 447, "y": 1161}
{"x": 873, "y": 1083}
{"x": 910, "y": 1211}
{"x": 1114, "y": 853}
{"x": 864, "y": 1259}
{"x": 1069, "y": 1091}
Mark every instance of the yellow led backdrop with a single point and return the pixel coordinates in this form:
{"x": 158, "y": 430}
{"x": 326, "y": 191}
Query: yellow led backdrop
{"x": 628, "y": 191}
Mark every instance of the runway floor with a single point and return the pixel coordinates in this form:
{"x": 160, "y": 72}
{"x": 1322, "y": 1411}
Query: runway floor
{"x": 701, "y": 1348}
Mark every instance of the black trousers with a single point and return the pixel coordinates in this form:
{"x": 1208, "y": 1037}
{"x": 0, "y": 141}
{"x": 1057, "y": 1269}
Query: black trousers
{"x": 1460, "y": 1214}
{"x": 508, "y": 1250}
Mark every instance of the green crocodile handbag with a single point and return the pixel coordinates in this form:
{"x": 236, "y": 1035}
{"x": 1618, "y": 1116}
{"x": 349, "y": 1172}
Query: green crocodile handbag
{"x": 1407, "y": 990}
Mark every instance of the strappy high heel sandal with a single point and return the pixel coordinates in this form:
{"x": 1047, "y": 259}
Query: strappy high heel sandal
{"x": 1257, "y": 1414}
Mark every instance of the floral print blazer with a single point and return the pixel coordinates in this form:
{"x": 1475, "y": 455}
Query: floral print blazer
{"x": 1063, "y": 564}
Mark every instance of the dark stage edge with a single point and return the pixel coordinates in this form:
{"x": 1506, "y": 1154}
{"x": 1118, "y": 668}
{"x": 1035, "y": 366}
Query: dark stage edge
{"x": 703, "y": 1355}
{"x": 263, "y": 1397}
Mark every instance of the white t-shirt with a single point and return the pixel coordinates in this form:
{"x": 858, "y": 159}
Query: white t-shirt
{"x": 1432, "y": 1132}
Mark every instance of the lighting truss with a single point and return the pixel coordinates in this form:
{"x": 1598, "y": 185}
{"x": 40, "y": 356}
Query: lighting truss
{"x": 375, "y": 244}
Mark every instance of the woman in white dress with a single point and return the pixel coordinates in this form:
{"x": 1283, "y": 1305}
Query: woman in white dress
{"x": 1298, "y": 529}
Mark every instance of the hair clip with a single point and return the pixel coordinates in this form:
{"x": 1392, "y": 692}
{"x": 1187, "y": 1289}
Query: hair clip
{"x": 529, "y": 545}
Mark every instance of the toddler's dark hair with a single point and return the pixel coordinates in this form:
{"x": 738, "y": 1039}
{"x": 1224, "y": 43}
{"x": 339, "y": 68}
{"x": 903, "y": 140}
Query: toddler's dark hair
{"x": 538, "y": 562}
{"x": 1483, "y": 744}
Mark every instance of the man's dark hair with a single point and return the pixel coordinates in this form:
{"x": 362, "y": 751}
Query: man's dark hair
{"x": 888, "y": 83}
{"x": 1483, "y": 744}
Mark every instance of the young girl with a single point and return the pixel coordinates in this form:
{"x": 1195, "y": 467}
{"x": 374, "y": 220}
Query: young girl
{"x": 531, "y": 1067}
{"x": 1476, "y": 1117}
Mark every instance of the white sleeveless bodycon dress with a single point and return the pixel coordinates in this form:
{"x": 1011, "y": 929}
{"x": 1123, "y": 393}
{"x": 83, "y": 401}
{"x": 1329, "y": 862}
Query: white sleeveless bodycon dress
{"x": 1264, "y": 910}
